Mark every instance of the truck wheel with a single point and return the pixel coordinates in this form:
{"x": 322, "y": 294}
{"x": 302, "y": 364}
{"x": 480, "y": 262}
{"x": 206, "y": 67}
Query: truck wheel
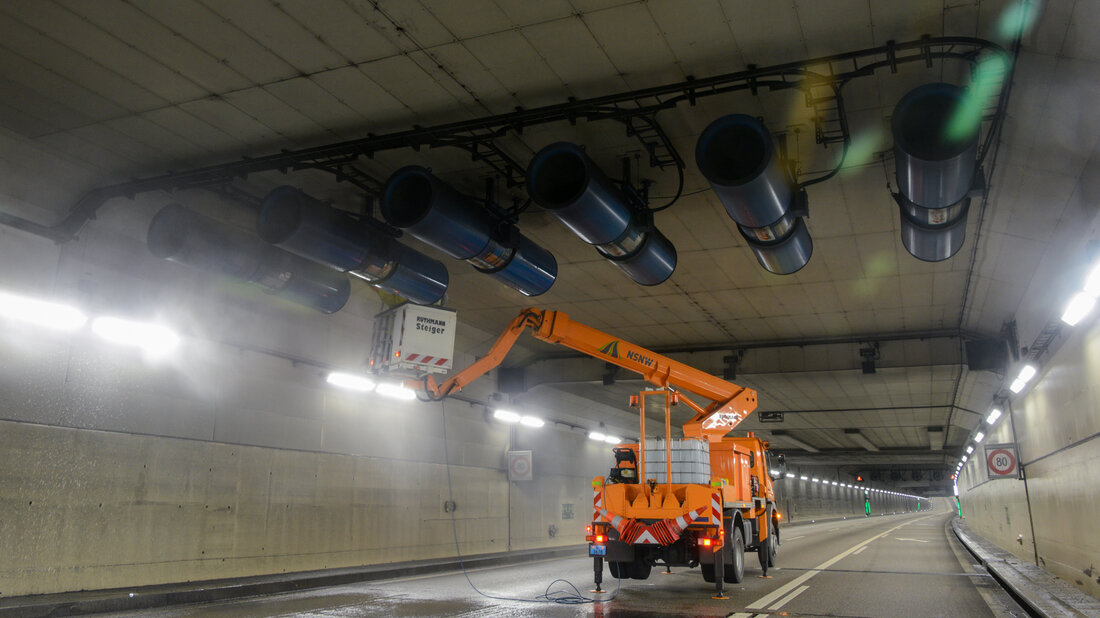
{"x": 734, "y": 574}
{"x": 620, "y": 570}
{"x": 640, "y": 569}
{"x": 773, "y": 543}
{"x": 708, "y": 572}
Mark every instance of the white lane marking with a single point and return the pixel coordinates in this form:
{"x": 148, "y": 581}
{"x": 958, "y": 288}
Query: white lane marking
{"x": 748, "y": 615}
{"x": 801, "y": 579}
{"x": 860, "y": 551}
{"x": 795, "y": 537}
{"x": 790, "y": 596}
{"x": 901, "y": 538}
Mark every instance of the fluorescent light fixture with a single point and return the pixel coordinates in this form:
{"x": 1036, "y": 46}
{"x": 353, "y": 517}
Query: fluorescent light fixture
{"x": 978, "y": 437}
{"x": 804, "y": 478}
{"x": 395, "y": 391}
{"x": 613, "y": 439}
{"x": 350, "y": 381}
{"x": 508, "y": 416}
{"x": 774, "y": 472}
{"x": 969, "y": 450}
{"x": 834, "y": 482}
{"x": 595, "y": 435}
{"x": 1026, "y": 373}
{"x": 964, "y": 458}
{"x": 956, "y": 490}
{"x": 1017, "y": 385}
{"x": 816, "y": 481}
{"x": 153, "y": 338}
{"x": 54, "y": 316}
{"x": 1079, "y": 306}
{"x": 994, "y": 415}
{"x": 531, "y": 421}
{"x": 1092, "y": 281}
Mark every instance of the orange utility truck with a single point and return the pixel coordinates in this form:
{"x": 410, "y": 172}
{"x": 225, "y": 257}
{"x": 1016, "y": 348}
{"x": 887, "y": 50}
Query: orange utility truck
{"x": 700, "y": 500}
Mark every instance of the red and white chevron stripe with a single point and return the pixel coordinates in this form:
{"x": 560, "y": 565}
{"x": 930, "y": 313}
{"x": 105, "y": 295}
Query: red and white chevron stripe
{"x": 664, "y": 532}
{"x": 426, "y": 360}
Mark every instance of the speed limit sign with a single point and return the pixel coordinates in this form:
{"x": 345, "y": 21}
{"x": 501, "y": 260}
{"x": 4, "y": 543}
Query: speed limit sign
{"x": 1001, "y": 461}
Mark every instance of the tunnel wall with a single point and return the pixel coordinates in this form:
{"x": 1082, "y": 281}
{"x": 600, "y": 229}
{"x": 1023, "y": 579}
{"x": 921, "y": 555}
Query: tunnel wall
{"x": 804, "y": 501}
{"x": 1051, "y": 517}
{"x": 359, "y": 482}
{"x": 232, "y": 457}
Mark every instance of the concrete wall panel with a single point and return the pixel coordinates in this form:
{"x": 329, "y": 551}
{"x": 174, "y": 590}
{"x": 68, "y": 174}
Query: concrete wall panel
{"x": 1058, "y": 426}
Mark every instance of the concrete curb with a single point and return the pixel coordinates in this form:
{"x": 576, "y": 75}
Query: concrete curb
{"x": 147, "y": 597}
{"x": 1039, "y": 591}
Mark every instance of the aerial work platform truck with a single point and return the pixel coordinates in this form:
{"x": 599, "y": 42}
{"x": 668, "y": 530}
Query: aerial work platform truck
{"x": 700, "y": 500}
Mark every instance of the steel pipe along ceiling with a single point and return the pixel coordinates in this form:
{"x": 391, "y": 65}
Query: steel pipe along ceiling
{"x": 415, "y": 200}
{"x": 305, "y": 226}
{"x": 564, "y": 180}
{"x": 936, "y": 159}
{"x": 737, "y": 156}
{"x": 185, "y": 237}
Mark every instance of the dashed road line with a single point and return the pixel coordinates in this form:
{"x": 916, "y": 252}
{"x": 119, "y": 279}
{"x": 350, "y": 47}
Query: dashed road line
{"x": 860, "y": 550}
{"x": 788, "y": 598}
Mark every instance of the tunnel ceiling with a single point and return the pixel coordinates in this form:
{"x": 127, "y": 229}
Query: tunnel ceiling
{"x": 97, "y": 92}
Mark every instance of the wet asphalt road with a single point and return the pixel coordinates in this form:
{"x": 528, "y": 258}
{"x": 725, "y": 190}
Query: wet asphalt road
{"x": 902, "y": 565}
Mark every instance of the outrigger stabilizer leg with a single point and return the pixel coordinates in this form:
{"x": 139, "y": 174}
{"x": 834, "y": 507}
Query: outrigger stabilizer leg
{"x": 719, "y": 573}
{"x": 597, "y": 570}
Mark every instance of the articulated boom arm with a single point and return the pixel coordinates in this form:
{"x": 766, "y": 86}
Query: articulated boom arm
{"x": 729, "y": 403}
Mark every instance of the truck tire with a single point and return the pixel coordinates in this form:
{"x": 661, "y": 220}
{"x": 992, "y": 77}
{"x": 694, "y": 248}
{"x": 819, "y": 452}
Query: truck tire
{"x": 735, "y": 573}
{"x": 773, "y": 542}
{"x": 640, "y": 569}
{"x": 619, "y": 570}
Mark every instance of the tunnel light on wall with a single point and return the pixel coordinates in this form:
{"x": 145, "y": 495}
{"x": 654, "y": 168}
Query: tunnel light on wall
{"x": 597, "y": 436}
{"x": 969, "y": 450}
{"x": 1078, "y": 308}
{"x": 150, "y": 337}
{"x": 414, "y": 200}
{"x": 816, "y": 480}
{"x": 738, "y": 158}
{"x": 567, "y": 184}
{"x": 613, "y": 439}
{"x": 506, "y": 416}
{"x": 964, "y": 458}
{"x": 1084, "y": 301}
{"x": 1027, "y": 372}
{"x": 351, "y": 381}
{"x": 182, "y": 236}
{"x": 45, "y": 314}
{"x": 936, "y": 159}
{"x": 803, "y": 478}
{"x": 978, "y": 437}
{"x": 994, "y": 416}
{"x": 395, "y": 391}
{"x": 531, "y": 421}
{"x": 304, "y": 226}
